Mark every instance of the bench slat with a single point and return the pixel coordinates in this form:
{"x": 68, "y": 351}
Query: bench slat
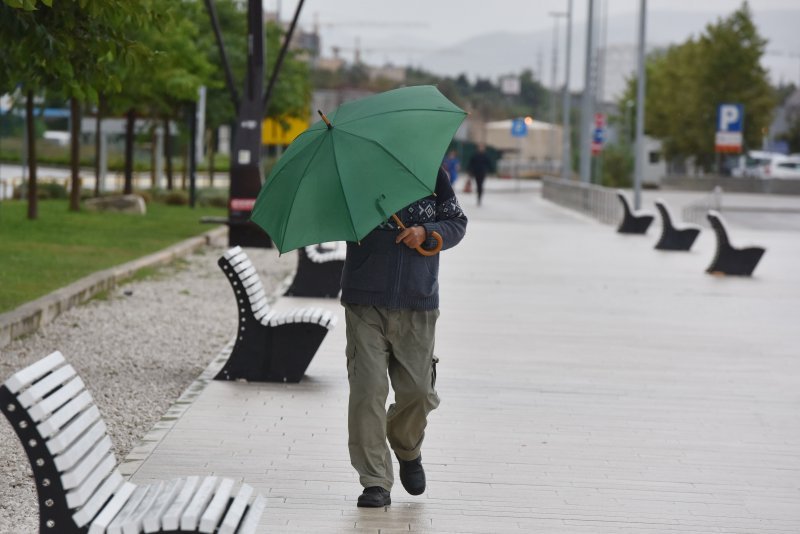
{"x": 255, "y": 306}
{"x": 236, "y": 510}
{"x": 56, "y": 421}
{"x": 37, "y": 392}
{"x": 90, "y": 461}
{"x": 162, "y": 502}
{"x": 242, "y": 263}
{"x": 171, "y": 518}
{"x": 115, "y": 527}
{"x": 73, "y": 431}
{"x": 134, "y": 522}
{"x": 56, "y": 400}
{"x": 65, "y": 462}
{"x": 237, "y": 258}
{"x": 33, "y": 372}
{"x": 250, "y": 523}
{"x": 79, "y": 496}
{"x": 326, "y": 318}
{"x": 230, "y": 253}
{"x": 99, "y": 498}
{"x": 191, "y": 516}
{"x": 246, "y": 271}
{"x": 332, "y": 323}
{"x": 213, "y": 514}
{"x": 112, "y": 509}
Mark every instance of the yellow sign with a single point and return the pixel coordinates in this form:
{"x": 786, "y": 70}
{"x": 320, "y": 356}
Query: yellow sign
{"x": 272, "y": 133}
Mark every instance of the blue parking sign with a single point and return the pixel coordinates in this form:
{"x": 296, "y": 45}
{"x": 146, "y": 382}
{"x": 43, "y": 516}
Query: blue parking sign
{"x": 730, "y": 117}
{"x": 519, "y": 128}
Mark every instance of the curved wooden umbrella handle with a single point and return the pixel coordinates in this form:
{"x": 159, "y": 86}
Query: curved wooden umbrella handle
{"x": 424, "y": 251}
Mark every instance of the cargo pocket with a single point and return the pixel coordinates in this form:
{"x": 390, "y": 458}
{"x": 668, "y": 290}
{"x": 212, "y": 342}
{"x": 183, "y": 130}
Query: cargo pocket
{"x": 433, "y": 372}
{"x": 350, "y": 352}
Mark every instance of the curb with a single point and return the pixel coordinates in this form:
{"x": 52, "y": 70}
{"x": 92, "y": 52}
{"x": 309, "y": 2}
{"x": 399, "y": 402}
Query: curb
{"x": 31, "y": 316}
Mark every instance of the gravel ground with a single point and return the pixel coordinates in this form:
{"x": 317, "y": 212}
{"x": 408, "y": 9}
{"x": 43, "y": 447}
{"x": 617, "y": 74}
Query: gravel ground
{"x": 137, "y": 350}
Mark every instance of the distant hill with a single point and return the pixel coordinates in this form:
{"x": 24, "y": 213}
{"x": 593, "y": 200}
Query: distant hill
{"x": 494, "y": 54}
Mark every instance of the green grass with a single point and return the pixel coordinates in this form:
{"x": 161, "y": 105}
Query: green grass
{"x": 60, "y": 247}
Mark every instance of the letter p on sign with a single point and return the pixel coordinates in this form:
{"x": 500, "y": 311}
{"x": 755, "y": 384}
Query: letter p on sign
{"x": 730, "y": 118}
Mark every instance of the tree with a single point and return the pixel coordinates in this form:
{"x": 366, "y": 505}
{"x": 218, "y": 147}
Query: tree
{"x": 67, "y": 47}
{"x": 686, "y": 83}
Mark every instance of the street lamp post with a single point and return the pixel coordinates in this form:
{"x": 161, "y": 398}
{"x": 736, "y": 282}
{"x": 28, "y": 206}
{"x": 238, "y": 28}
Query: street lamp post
{"x": 566, "y": 144}
{"x": 553, "y": 84}
{"x": 587, "y": 108}
{"x": 640, "y": 86}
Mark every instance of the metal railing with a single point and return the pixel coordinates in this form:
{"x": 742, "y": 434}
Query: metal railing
{"x": 595, "y": 201}
{"x": 696, "y": 211}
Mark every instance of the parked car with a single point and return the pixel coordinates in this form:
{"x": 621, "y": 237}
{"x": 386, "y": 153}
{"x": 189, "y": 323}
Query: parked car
{"x": 752, "y": 164}
{"x": 783, "y": 167}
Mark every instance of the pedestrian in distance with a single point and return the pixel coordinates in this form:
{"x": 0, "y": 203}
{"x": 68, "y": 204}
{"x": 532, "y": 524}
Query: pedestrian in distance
{"x": 390, "y": 293}
{"x": 479, "y": 166}
{"x": 452, "y": 165}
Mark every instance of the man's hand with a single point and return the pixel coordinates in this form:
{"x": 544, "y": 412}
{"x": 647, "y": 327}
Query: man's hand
{"x": 412, "y": 237}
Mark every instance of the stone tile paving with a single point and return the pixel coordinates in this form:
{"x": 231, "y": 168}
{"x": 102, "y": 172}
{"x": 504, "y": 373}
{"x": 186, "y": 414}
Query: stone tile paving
{"x": 589, "y": 384}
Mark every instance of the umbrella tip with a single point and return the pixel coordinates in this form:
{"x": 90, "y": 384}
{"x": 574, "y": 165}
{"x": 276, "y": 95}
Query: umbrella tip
{"x": 324, "y": 118}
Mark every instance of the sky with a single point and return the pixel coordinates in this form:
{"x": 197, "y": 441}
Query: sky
{"x": 410, "y": 31}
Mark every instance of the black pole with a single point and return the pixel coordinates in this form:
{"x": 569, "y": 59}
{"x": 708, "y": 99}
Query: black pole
{"x": 245, "y": 182}
{"x": 212, "y": 13}
{"x": 281, "y": 55}
{"x": 192, "y": 152}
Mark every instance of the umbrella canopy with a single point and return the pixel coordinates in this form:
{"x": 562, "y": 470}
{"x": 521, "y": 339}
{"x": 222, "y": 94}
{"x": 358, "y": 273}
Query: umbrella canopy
{"x": 340, "y": 179}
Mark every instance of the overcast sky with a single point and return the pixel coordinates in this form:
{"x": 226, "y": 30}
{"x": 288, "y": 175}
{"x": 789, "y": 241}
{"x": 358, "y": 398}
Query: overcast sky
{"x": 405, "y": 31}
{"x": 448, "y": 21}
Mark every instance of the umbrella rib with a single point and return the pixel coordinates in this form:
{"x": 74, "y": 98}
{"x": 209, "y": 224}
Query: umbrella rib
{"x": 404, "y": 110}
{"x": 299, "y": 183}
{"x": 391, "y": 155}
{"x": 344, "y": 195}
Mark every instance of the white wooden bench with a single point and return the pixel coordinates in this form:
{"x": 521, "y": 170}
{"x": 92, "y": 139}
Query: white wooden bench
{"x": 270, "y": 346}
{"x": 78, "y": 485}
{"x": 319, "y": 271}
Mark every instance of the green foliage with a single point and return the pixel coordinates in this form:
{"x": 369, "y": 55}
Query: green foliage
{"x": 686, "y": 83}
{"x": 83, "y": 242}
{"x": 617, "y": 166}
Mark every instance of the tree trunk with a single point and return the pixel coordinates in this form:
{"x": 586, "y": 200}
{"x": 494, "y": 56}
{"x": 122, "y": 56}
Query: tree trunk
{"x": 98, "y": 146}
{"x": 211, "y": 153}
{"x": 131, "y": 120}
{"x": 185, "y": 164}
{"x": 153, "y": 148}
{"x": 168, "y": 153}
{"x": 33, "y": 201}
{"x": 75, "y": 154}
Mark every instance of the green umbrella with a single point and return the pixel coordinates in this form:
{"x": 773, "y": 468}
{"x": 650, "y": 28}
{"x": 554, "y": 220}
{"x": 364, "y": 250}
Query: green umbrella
{"x": 345, "y": 175}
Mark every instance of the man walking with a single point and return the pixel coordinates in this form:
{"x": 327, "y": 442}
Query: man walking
{"x": 390, "y": 293}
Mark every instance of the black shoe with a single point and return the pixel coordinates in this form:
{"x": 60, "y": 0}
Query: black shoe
{"x": 374, "y": 497}
{"x": 412, "y": 475}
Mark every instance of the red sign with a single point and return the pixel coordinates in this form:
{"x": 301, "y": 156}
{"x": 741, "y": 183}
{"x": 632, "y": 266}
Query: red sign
{"x": 242, "y": 204}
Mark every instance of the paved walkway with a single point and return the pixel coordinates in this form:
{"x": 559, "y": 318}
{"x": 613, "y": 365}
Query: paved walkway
{"x": 589, "y": 384}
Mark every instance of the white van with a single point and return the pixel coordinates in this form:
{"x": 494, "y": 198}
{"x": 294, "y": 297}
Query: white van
{"x": 753, "y": 164}
{"x": 783, "y": 167}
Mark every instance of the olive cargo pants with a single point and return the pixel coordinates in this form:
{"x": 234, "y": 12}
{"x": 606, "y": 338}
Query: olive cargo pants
{"x": 400, "y": 342}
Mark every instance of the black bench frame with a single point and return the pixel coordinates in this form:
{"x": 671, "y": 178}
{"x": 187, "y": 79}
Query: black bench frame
{"x": 674, "y": 237}
{"x": 633, "y": 222}
{"x": 78, "y": 486}
{"x": 269, "y": 346}
{"x": 319, "y": 272}
{"x": 727, "y": 258}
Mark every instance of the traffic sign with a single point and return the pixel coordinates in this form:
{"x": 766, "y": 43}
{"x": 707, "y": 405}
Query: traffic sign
{"x": 519, "y": 128}
{"x": 730, "y": 124}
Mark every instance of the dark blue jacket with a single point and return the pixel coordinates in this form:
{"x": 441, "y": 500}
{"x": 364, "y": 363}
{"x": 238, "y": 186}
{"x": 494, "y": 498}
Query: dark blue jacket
{"x": 380, "y": 272}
